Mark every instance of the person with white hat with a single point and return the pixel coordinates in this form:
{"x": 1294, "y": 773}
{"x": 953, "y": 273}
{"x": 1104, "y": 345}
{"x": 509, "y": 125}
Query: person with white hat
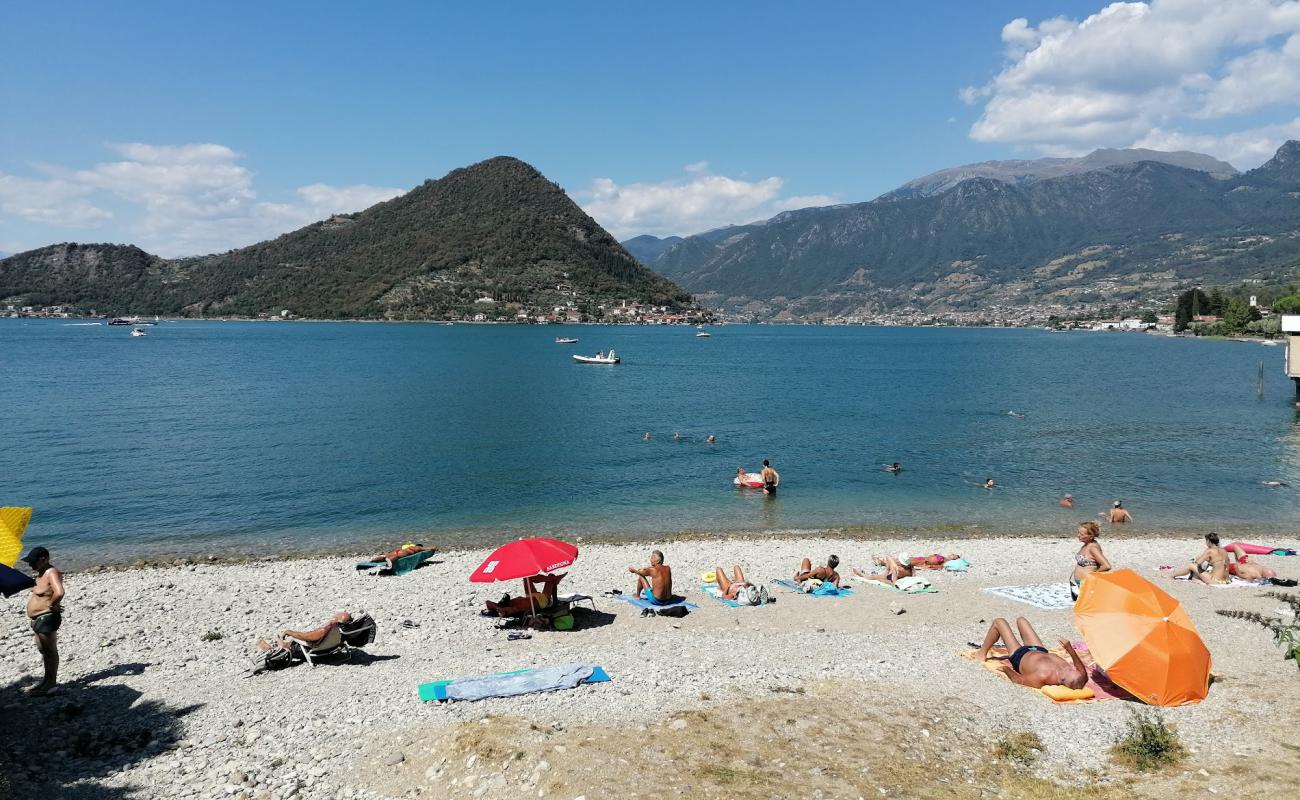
{"x": 896, "y": 566}
{"x": 1118, "y": 514}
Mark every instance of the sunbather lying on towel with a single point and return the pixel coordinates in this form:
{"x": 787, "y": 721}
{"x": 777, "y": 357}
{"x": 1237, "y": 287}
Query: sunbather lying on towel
{"x": 738, "y": 589}
{"x": 1247, "y": 571}
{"x": 311, "y": 637}
{"x": 1029, "y": 663}
{"x": 896, "y": 566}
{"x": 539, "y": 593}
{"x": 826, "y": 574}
{"x": 408, "y": 549}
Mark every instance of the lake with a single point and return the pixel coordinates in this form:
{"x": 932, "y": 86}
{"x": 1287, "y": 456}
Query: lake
{"x": 208, "y": 436}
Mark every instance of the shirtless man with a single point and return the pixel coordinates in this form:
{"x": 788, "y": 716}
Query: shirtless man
{"x": 1118, "y": 514}
{"x": 1029, "y": 664}
{"x": 824, "y": 574}
{"x": 310, "y": 637}
{"x": 655, "y": 582}
{"x": 402, "y": 552}
{"x": 45, "y": 610}
{"x": 1066, "y": 502}
{"x": 1211, "y": 566}
{"x": 771, "y": 478}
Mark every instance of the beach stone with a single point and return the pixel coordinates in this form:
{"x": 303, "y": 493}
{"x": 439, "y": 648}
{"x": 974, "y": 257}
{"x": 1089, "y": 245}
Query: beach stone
{"x": 394, "y": 759}
{"x": 678, "y": 724}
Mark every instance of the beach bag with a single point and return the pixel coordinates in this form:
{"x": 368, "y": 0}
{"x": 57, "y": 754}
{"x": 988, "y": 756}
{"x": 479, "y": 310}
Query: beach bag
{"x": 674, "y": 611}
{"x": 748, "y": 596}
{"x": 275, "y": 659}
{"x": 563, "y": 622}
{"x": 912, "y": 583}
{"x": 359, "y": 632}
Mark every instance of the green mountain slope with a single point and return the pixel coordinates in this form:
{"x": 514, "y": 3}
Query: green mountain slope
{"x": 497, "y": 229}
{"x": 1121, "y": 229}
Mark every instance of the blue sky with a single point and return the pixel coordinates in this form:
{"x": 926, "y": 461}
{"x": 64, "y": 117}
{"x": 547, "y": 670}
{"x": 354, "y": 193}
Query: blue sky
{"x": 190, "y": 128}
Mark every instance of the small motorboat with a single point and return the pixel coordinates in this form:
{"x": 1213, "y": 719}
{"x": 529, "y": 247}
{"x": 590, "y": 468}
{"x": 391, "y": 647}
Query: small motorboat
{"x": 703, "y": 335}
{"x": 610, "y": 358}
{"x": 562, "y": 340}
{"x": 139, "y": 332}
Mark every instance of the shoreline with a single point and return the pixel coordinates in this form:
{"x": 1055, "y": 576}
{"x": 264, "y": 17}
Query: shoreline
{"x": 155, "y": 699}
{"x": 245, "y": 549}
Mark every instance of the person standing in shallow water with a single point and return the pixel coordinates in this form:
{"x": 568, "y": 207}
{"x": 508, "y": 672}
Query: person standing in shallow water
{"x": 771, "y": 478}
{"x": 45, "y": 610}
{"x": 1118, "y": 514}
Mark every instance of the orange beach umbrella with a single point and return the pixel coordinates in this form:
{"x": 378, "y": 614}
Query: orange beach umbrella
{"x": 1143, "y": 638}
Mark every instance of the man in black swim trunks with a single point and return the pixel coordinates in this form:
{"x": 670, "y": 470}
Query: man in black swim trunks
{"x": 1030, "y": 664}
{"x": 45, "y": 610}
{"x": 771, "y": 478}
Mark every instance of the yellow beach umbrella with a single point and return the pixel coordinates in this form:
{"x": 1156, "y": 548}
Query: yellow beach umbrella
{"x": 13, "y": 522}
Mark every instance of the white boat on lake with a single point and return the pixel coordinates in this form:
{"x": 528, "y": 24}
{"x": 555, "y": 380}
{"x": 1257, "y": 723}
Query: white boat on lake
{"x": 609, "y": 358}
{"x": 562, "y": 340}
{"x": 139, "y": 332}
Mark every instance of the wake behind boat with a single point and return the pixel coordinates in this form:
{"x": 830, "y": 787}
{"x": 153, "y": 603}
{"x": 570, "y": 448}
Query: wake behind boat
{"x": 599, "y": 358}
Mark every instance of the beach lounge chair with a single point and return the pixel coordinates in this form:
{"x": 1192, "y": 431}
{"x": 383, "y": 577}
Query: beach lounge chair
{"x": 339, "y": 642}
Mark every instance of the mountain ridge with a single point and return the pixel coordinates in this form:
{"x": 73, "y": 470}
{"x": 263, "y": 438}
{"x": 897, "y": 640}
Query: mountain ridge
{"x": 495, "y": 231}
{"x": 1115, "y": 232}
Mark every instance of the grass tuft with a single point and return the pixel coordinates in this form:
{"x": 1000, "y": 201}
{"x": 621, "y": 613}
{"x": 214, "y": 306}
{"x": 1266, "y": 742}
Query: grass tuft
{"x": 1021, "y": 748}
{"x": 1149, "y": 744}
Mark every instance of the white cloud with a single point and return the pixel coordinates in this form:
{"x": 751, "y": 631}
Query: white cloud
{"x": 1251, "y": 146}
{"x": 181, "y": 199}
{"x": 1139, "y": 71}
{"x": 699, "y": 202}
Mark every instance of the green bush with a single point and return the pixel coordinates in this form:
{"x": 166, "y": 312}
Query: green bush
{"x": 1149, "y": 744}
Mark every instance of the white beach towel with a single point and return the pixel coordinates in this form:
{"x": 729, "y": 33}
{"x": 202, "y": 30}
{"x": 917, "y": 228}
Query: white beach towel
{"x": 1047, "y": 596}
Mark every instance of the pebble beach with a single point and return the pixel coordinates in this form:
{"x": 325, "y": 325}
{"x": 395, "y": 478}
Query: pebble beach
{"x": 156, "y": 699}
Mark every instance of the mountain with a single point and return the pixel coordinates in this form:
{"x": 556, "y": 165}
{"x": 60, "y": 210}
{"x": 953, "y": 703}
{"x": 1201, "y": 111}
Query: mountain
{"x": 647, "y": 248}
{"x": 1118, "y": 232}
{"x": 497, "y": 229}
{"x": 1026, "y": 172}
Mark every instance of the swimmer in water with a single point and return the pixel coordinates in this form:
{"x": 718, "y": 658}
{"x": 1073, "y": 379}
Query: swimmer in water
{"x": 646, "y": 438}
{"x": 1118, "y": 514}
{"x": 1067, "y": 501}
{"x": 676, "y": 436}
{"x": 989, "y": 484}
{"x": 1015, "y": 414}
{"x": 894, "y": 468}
{"x": 711, "y": 439}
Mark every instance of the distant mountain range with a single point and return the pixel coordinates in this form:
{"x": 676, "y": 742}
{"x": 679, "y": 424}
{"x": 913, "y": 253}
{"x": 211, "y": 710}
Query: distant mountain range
{"x": 1110, "y": 226}
{"x": 1023, "y": 173}
{"x": 493, "y": 238}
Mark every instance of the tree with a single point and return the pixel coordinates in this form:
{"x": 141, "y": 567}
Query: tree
{"x": 1236, "y": 316}
{"x": 1289, "y": 304}
{"x": 1190, "y": 303}
{"x": 1216, "y": 306}
{"x": 1149, "y": 317}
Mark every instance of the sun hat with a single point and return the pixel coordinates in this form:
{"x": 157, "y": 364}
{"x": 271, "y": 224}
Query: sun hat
{"x": 904, "y": 558}
{"x": 36, "y": 554}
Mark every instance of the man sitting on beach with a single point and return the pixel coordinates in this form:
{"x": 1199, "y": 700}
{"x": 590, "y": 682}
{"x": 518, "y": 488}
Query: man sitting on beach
{"x": 896, "y": 567}
{"x": 1029, "y": 663}
{"x": 655, "y": 582}
{"x": 310, "y": 637}
{"x": 539, "y": 593}
{"x": 826, "y": 574}
{"x": 738, "y": 588}
{"x": 408, "y": 549}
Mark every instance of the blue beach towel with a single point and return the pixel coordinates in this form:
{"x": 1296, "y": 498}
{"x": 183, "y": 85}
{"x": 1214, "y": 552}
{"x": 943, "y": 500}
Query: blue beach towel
{"x": 643, "y": 603}
{"x": 511, "y": 684}
{"x": 712, "y": 590}
{"x": 826, "y": 589}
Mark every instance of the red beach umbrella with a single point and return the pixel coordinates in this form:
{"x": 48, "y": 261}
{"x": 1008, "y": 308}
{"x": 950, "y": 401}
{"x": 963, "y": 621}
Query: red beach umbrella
{"x": 525, "y": 558}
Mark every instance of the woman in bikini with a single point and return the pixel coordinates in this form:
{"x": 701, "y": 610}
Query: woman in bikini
{"x": 1029, "y": 663}
{"x": 1211, "y": 566}
{"x": 1089, "y": 559}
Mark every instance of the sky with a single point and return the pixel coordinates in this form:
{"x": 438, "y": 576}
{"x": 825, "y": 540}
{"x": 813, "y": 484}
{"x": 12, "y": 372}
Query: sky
{"x": 191, "y": 128}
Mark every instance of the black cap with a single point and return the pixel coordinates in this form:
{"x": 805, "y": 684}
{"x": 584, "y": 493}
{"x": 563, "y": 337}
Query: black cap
{"x": 36, "y": 554}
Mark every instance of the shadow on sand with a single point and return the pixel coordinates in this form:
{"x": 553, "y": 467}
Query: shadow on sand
{"x": 59, "y": 745}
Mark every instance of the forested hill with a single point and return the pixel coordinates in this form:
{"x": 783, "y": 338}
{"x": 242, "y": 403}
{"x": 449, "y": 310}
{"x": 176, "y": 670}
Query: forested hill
{"x": 498, "y": 229}
{"x": 1105, "y": 234}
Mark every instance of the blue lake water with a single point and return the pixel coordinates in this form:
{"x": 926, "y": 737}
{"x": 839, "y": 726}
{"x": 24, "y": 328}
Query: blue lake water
{"x": 212, "y": 436}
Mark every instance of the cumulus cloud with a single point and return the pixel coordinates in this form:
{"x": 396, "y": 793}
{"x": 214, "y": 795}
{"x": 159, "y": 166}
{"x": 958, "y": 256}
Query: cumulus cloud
{"x": 180, "y": 199}
{"x": 699, "y": 202}
{"x": 1144, "y": 71}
